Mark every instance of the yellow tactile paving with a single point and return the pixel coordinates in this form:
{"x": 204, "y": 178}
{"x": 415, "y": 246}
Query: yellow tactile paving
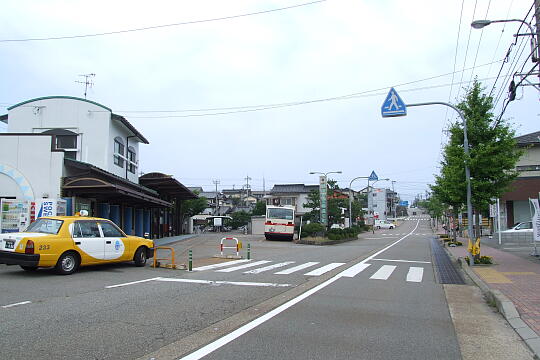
{"x": 492, "y": 276}
{"x": 519, "y": 273}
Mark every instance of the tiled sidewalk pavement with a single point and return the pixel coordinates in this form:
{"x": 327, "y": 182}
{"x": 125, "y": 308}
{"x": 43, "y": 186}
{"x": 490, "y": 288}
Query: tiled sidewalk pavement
{"x": 515, "y": 277}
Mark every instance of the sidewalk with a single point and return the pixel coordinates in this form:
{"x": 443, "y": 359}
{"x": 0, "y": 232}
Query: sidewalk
{"x": 515, "y": 277}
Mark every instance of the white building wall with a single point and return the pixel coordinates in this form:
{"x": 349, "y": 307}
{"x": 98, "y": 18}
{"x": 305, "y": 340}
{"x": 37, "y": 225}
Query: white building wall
{"x": 88, "y": 120}
{"x": 33, "y": 158}
{"x": 531, "y": 156}
{"x": 117, "y": 129}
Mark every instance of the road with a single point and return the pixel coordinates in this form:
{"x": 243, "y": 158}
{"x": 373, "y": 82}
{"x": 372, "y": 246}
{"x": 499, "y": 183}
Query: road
{"x": 393, "y": 308}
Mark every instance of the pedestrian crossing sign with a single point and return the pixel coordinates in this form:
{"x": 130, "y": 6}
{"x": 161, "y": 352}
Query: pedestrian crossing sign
{"x": 393, "y": 105}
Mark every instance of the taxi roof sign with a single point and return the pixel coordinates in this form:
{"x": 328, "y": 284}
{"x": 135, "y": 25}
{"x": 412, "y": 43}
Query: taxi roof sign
{"x": 393, "y": 105}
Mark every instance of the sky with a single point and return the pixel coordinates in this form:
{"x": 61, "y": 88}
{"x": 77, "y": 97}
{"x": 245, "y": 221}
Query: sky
{"x": 273, "y": 95}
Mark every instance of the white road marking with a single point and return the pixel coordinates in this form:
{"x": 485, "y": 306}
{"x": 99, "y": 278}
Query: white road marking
{"x": 324, "y": 269}
{"x": 211, "y": 282}
{"x": 240, "y": 267}
{"x": 354, "y": 270}
{"x": 297, "y": 268}
{"x": 384, "y": 272}
{"x": 269, "y": 267}
{"x": 222, "y": 341}
{"x": 415, "y": 274}
{"x": 405, "y": 261}
{"x": 130, "y": 283}
{"x": 223, "y": 264}
{"x": 16, "y": 304}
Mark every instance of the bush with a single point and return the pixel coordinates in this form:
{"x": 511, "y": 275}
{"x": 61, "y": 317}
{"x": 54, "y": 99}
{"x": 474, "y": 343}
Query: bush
{"x": 313, "y": 229}
{"x": 455, "y": 243}
{"x": 480, "y": 260}
{"x": 339, "y": 234}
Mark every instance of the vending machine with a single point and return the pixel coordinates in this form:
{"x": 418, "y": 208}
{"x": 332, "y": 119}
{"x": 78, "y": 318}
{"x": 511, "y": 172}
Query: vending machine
{"x": 14, "y": 215}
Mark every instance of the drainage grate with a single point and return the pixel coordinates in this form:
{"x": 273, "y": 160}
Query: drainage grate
{"x": 445, "y": 270}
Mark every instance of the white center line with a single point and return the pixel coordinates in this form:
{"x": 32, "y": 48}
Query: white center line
{"x": 415, "y": 274}
{"x": 324, "y": 269}
{"x": 130, "y": 283}
{"x": 405, "y": 261}
{"x": 211, "y": 282}
{"x": 223, "y": 264}
{"x": 16, "y": 304}
{"x": 354, "y": 270}
{"x": 240, "y": 267}
{"x": 269, "y": 267}
{"x": 384, "y": 272}
{"x": 297, "y": 268}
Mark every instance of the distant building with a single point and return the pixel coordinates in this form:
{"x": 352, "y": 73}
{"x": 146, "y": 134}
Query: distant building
{"x": 291, "y": 194}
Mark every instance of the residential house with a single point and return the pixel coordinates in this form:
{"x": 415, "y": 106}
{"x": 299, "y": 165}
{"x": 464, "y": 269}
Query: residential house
{"x": 291, "y": 194}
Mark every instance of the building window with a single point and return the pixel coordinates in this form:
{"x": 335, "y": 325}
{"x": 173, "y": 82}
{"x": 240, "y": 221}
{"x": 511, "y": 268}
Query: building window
{"x": 65, "y": 140}
{"x": 132, "y": 160}
{"x": 119, "y": 152}
{"x": 528, "y": 168}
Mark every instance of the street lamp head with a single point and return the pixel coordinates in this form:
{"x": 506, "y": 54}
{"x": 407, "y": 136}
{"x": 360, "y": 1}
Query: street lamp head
{"x": 479, "y": 24}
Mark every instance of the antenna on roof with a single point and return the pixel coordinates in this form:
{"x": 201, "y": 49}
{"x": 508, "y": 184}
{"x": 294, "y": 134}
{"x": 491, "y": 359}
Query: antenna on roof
{"x": 87, "y": 82}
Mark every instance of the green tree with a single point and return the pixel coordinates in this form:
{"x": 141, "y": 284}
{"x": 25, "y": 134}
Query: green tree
{"x": 239, "y": 218}
{"x": 260, "y": 208}
{"x": 192, "y": 207}
{"x": 492, "y": 159}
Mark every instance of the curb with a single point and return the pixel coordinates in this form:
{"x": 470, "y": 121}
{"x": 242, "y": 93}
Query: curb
{"x": 505, "y": 306}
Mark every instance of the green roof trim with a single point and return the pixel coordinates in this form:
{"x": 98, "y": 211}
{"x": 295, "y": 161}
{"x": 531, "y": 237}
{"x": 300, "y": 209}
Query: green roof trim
{"x": 58, "y": 97}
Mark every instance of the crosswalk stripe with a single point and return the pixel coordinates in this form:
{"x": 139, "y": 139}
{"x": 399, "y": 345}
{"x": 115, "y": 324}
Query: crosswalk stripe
{"x": 223, "y": 264}
{"x": 415, "y": 274}
{"x": 240, "y": 267}
{"x": 269, "y": 267}
{"x": 384, "y": 272}
{"x": 324, "y": 269}
{"x": 297, "y": 268}
{"x": 355, "y": 270}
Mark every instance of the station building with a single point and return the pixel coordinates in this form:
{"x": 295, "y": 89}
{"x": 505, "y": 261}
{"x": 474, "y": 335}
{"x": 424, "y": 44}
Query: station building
{"x": 73, "y": 154}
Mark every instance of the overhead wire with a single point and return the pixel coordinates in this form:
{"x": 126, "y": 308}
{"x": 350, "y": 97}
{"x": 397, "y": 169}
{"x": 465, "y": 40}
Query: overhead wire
{"x": 500, "y": 37}
{"x": 479, "y": 43}
{"x": 64, "y": 37}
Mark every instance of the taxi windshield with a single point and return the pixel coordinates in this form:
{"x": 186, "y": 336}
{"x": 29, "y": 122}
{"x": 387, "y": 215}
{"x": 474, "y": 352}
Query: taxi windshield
{"x": 46, "y": 226}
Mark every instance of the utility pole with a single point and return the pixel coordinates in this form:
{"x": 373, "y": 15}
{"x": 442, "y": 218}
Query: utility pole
{"x": 87, "y": 82}
{"x": 393, "y": 200}
{"x": 247, "y": 178}
{"x": 537, "y": 15}
{"x": 264, "y": 188}
{"x": 216, "y": 182}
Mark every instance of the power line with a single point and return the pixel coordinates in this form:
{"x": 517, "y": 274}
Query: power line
{"x": 467, "y": 49}
{"x": 500, "y": 37}
{"x": 162, "y": 26}
{"x": 479, "y": 42}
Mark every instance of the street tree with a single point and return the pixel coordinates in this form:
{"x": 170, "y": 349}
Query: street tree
{"x": 192, "y": 207}
{"x": 492, "y": 159}
{"x": 260, "y": 208}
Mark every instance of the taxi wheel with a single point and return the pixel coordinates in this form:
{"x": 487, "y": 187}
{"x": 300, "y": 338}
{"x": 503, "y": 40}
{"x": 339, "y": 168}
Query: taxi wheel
{"x": 68, "y": 263}
{"x": 140, "y": 256}
{"x": 29, "y": 268}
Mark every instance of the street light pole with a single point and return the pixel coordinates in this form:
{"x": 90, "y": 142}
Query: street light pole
{"x": 351, "y": 196}
{"x": 467, "y": 170}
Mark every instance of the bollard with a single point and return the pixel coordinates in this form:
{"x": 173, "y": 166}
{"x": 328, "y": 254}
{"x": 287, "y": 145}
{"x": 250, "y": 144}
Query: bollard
{"x": 249, "y": 252}
{"x": 190, "y": 263}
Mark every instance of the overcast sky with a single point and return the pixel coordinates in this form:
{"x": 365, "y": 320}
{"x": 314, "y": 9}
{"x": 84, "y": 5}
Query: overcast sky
{"x": 325, "y": 50}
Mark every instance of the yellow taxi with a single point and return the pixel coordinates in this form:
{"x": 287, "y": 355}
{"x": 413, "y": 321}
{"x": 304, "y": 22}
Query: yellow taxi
{"x": 67, "y": 242}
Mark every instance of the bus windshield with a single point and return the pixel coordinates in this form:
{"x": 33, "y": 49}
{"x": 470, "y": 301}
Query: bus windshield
{"x": 280, "y": 213}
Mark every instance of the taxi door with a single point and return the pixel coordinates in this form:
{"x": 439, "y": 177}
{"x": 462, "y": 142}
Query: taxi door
{"x": 115, "y": 241}
{"x": 88, "y": 239}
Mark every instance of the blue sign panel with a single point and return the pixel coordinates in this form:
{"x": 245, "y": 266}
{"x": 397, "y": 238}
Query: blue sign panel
{"x": 403, "y": 203}
{"x": 393, "y": 105}
{"x": 373, "y": 176}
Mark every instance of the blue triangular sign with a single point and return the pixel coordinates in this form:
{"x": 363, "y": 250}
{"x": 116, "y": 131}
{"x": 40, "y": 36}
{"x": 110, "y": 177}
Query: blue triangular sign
{"x": 393, "y": 105}
{"x": 373, "y": 176}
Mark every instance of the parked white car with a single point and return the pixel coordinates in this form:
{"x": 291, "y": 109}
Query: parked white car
{"x": 522, "y": 227}
{"x": 384, "y": 224}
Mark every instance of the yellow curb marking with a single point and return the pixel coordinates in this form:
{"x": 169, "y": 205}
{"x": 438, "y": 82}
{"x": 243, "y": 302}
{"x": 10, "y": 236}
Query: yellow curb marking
{"x": 493, "y": 276}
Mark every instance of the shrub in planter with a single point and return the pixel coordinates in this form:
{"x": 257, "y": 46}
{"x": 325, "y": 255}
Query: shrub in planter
{"x": 313, "y": 229}
{"x": 486, "y": 260}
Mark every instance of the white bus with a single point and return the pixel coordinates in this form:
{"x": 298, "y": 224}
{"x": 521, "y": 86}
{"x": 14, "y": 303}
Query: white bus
{"x": 279, "y": 223}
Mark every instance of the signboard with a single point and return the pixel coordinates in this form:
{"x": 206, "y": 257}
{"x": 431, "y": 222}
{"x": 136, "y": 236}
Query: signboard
{"x": 393, "y": 105}
{"x": 536, "y": 219}
{"x": 373, "y": 176}
{"x": 323, "y": 194}
{"x": 218, "y": 221}
{"x": 404, "y": 203}
{"x": 492, "y": 210}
